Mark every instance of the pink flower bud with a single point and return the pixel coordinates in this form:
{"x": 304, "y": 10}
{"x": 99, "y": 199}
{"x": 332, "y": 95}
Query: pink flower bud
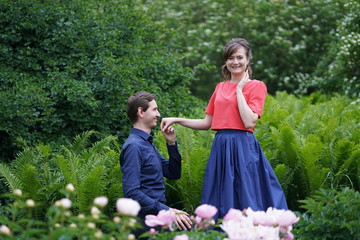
{"x": 206, "y": 211}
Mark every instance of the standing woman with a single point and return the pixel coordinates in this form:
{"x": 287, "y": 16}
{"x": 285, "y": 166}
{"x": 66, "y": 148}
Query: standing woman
{"x": 237, "y": 174}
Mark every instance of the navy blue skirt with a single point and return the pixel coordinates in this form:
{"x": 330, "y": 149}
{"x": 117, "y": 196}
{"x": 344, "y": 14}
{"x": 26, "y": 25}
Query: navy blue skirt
{"x": 239, "y": 176}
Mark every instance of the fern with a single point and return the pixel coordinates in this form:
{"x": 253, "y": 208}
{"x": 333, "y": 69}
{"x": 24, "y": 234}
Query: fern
{"x": 81, "y": 141}
{"x": 10, "y": 178}
{"x": 90, "y": 187}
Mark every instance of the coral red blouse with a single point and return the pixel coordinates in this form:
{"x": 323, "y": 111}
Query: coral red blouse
{"x": 224, "y": 108}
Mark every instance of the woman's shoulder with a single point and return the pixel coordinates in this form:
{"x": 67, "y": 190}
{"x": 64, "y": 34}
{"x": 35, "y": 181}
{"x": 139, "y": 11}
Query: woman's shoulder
{"x": 256, "y": 84}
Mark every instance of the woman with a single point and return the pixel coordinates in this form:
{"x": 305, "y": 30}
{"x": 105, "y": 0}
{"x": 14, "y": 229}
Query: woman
{"x": 237, "y": 175}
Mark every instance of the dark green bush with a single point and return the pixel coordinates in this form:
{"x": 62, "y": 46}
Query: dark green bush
{"x": 330, "y": 214}
{"x": 69, "y": 66}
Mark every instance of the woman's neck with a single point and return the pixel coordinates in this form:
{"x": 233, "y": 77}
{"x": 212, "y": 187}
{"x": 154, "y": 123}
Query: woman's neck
{"x": 236, "y": 78}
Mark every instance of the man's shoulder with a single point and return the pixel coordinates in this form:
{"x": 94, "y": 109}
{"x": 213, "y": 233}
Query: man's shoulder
{"x": 133, "y": 140}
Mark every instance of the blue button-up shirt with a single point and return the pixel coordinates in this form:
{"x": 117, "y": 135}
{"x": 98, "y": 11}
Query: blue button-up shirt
{"x": 143, "y": 169}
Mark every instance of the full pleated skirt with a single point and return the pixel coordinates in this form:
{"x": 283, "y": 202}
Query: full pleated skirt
{"x": 239, "y": 176}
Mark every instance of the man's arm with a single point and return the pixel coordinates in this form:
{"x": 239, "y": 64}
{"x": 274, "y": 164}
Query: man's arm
{"x": 171, "y": 168}
{"x": 130, "y": 161}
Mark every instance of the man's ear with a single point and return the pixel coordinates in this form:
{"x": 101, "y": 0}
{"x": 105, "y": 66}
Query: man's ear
{"x": 140, "y": 112}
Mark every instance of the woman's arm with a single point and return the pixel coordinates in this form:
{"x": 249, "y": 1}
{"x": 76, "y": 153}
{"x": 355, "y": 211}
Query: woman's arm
{"x": 199, "y": 124}
{"x": 247, "y": 115}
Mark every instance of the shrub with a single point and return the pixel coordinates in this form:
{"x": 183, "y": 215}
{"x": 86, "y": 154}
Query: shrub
{"x": 330, "y": 214}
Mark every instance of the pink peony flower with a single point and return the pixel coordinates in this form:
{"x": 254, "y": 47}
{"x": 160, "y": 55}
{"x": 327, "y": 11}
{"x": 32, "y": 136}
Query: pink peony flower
{"x": 239, "y": 230}
{"x": 206, "y": 211}
{"x": 128, "y": 206}
{"x": 288, "y": 236}
{"x": 164, "y": 218}
{"x": 181, "y": 237}
{"x": 267, "y": 233}
{"x": 234, "y": 214}
{"x": 287, "y": 218}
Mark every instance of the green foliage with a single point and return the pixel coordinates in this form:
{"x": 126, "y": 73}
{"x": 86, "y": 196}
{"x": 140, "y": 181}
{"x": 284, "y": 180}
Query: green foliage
{"x": 315, "y": 141}
{"x": 194, "y": 147}
{"x": 40, "y": 172}
{"x": 62, "y": 222}
{"x": 330, "y": 214}
{"x": 69, "y": 66}
{"x": 298, "y": 46}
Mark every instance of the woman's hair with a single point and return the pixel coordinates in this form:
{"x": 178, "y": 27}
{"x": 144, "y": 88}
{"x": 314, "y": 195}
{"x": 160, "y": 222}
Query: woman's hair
{"x": 139, "y": 99}
{"x": 230, "y": 48}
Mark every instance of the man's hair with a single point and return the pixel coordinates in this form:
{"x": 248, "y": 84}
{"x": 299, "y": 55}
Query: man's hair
{"x": 139, "y": 99}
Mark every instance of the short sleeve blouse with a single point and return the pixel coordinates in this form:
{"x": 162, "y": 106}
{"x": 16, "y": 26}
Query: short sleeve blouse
{"x": 224, "y": 108}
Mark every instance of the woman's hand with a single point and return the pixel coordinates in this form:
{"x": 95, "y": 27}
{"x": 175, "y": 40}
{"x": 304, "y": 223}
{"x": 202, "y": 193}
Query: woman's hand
{"x": 243, "y": 81}
{"x": 166, "y": 123}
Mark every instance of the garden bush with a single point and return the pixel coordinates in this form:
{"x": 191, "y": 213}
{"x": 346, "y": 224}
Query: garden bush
{"x": 330, "y": 214}
{"x": 298, "y": 46}
{"x": 69, "y": 66}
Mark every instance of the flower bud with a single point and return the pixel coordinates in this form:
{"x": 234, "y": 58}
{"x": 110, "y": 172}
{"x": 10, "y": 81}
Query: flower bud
{"x": 91, "y": 225}
{"x": 70, "y": 188}
{"x": 98, "y": 234}
{"x": 17, "y": 192}
{"x": 30, "y": 203}
{"x": 128, "y": 206}
{"x": 64, "y": 203}
{"x": 101, "y": 201}
{"x": 4, "y": 230}
{"x": 117, "y": 220}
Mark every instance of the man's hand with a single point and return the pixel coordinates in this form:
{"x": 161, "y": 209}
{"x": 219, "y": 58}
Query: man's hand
{"x": 182, "y": 221}
{"x": 169, "y": 135}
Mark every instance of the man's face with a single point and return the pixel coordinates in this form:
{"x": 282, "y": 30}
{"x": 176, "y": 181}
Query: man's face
{"x": 151, "y": 115}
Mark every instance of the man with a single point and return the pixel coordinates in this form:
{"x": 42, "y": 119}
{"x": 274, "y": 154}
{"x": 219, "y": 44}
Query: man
{"x": 142, "y": 166}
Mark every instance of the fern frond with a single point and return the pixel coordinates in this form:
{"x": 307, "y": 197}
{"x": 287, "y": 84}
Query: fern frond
{"x": 81, "y": 141}
{"x": 9, "y": 178}
{"x": 91, "y": 187}
{"x": 24, "y": 158}
{"x": 29, "y": 179}
{"x": 99, "y": 147}
{"x": 310, "y": 154}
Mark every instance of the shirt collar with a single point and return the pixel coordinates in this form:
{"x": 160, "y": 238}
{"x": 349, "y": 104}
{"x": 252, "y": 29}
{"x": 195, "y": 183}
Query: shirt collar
{"x": 142, "y": 134}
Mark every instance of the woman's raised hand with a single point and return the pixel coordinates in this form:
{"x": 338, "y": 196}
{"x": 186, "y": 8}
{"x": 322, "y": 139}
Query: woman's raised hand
{"x": 166, "y": 123}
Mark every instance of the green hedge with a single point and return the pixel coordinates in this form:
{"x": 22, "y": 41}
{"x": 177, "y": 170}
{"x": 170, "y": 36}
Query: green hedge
{"x": 69, "y": 66}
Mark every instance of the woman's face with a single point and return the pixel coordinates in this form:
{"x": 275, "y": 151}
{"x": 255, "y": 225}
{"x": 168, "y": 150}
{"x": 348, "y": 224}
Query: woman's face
{"x": 238, "y": 62}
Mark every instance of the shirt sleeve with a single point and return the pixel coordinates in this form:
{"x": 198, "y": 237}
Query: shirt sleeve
{"x": 130, "y": 161}
{"x": 210, "y": 107}
{"x": 172, "y": 168}
{"x": 257, "y": 97}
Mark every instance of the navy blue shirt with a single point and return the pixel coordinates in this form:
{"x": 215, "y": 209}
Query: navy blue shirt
{"x": 143, "y": 169}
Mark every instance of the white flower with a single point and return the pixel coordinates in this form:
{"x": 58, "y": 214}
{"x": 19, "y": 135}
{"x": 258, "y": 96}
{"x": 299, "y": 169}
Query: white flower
{"x": 70, "y": 188}
{"x": 17, "y": 192}
{"x": 131, "y": 236}
{"x": 98, "y": 234}
{"x": 4, "y": 230}
{"x": 128, "y": 206}
{"x": 101, "y": 201}
{"x": 63, "y": 203}
{"x": 95, "y": 211}
{"x": 117, "y": 219}
{"x": 91, "y": 225}
{"x": 73, "y": 225}
{"x": 30, "y": 203}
